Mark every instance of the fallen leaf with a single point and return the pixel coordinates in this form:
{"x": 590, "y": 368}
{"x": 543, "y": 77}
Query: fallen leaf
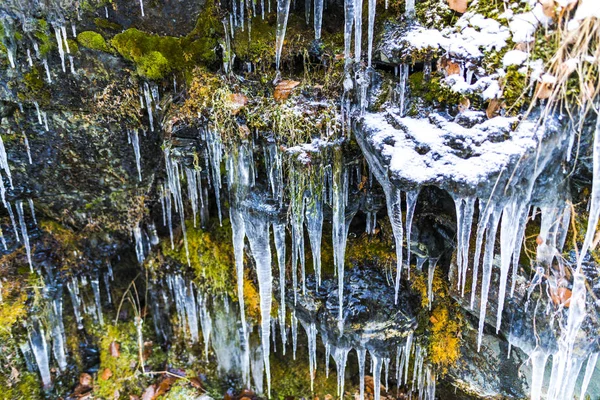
{"x": 544, "y": 90}
{"x": 149, "y": 393}
{"x": 106, "y": 374}
{"x": 547, "y": 7}
{"x": 195, "y": 382}
{"x": 493, "y": 108}
{"x": 450, "y": 67}
{"x": 165, "y": 386}
{"x": 464, "y": 105}
{"x": 561, "y": 296}
{"x": 459, "y": 6}
{"x": 115, "y": 349}
{"x": 284, "y": 89}
{"x": 85, "y": 380}
{"x": 237, "y": 101}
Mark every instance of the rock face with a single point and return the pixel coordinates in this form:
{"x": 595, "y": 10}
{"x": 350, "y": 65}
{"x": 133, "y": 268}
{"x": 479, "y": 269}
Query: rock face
{"x": 139, "y": 150}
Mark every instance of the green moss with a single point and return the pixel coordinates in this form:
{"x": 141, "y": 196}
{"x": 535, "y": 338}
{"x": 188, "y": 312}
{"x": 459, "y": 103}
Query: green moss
{"x": 155, "y": 55}
{"x": 73, "y": 46}
{"x": 93, "y": 40}
{"x": 35, "y": 87}
{"x": 103, "y": 23}
{"x": 27, "y": 387}
{"x": 43, "y": 35}
{"x": 124, "y": 367}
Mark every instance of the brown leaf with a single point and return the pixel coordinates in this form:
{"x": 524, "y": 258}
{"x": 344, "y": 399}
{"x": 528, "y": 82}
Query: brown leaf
{"x": 547, "y": 7}
{"x": 493, "y": 108}
{"x": 464, "y": 105}
{"x": 544, "y": 90}
{"x": 149, "y": 393}
{"x": 237, "y": 101}
{"x": 106, "y": 374}
{"x": 459, "y": 6}
{"x": 85, "y": 380}
{"x": 165, "y": 386}
{"x": 284, "y": 89}
{"x": 114, "y": 349}
{"x": 195, "y": 382}
{"x": 561, "y": 296}
{"x": 450, "y": 67}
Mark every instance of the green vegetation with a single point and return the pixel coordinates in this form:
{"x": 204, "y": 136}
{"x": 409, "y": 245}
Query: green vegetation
{"x": 34, "y": 87}
{"x": 93, "y": 40}
{"x": 106, "y": 24}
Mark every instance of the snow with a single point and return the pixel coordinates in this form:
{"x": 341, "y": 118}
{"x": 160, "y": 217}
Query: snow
{"x": 475, "y": 34}
{"x": 442, "y": 163}
{"x": 514, "y": 57}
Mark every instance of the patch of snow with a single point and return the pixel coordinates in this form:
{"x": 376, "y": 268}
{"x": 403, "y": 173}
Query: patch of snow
{"x": 435, "y": 150}
{"x": 514, "y": 57}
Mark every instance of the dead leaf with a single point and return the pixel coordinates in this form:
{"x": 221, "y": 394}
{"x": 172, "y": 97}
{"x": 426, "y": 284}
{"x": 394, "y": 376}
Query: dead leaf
{"x": 149, "y": 393}
{"x": 523, "y": 46}
{"x": 493, "y": 108}
{"x": 195, "y": 382}
{"x": 547, "y": 7}
{"x": 459, "y": 6}
{"x": 561, "y": 296}
{"x": 165, "y": 386}
{"x": 450, "y": 67}
{"x": 284, "y": 89}
{"x": 114, "y": 349}
{"x": 237, "y": 101}
{"x": 85, "y": 380}
{"x": 106, "y": 374}
{"x": 544, "y": 90}
{"x": 464, "y": 105}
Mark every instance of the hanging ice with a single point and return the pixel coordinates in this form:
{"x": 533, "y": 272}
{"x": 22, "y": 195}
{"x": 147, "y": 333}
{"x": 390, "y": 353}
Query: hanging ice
{"x": 39, "y": 347}
{"x": 257, "y": 230}
{"x": 371, "y": 28}
{"x": 135, "y": 143}
{"x": 314, "y": 223}
{"x": 283, "y": 9}
{"x": 279, "y": 236}
{"x": 58, "y": 331}
{"x": 318, "y": 18}
{"x": 589, "y": 371}
{"x": 340, "y": 230}
{"x": 594, "y": 213}
{"x": 465, "y": 208}
{"x": 96, "y": 289}
{"x": 430, "y": 274}
{"x": 340, "y": 355}
{"x": 24, "y": 233}
{"x": 488, "y": 260}
{"x": 411, "y": 202}
{"x": 311, "y": 333}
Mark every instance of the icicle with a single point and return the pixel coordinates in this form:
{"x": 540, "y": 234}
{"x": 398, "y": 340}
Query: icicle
{"x": 58, "y": 331}
{"x": 340, "y": 356}
{"x": 371, "y": 28}
{"x": 258, "y": 370}
{"x": 96, "y": 289}
{"x": 386, "y": 365}
{"x": 376, "y": 367}
{"x": 594, "y": 213}
{"x": 340, "y": 230}
{"x": 142, "y": 7}
{"x": 106, "y": 278}
{"x": 148, "y": 98}
{"x": 361, "y": 353}
{"x": 24, "y": 233}
{"x": 45, "y": 117}
{"x": 512, "y": 215}
{"x": 39, "y": 347}
{"x": 76, "y": 301}
{"x": 394, "y": 208}
{"x": 327, "y": 355}
{"x": 257, "y": 231}
{"x": 411, "y": 202}
{"x": 538, "y": 367}
{"x": 135, "y": 143}
{"x": 318, "y": 18}
{"x": 4, "y": 166}
{"x": 311, "y": 333}
{"x": 589, "y": 371}
{"x": 29, "y": 59}
{"x": 465, "y": 208}
{"x": 61, "y": 51}
{"x": 349, "y": 22}
{"x": 430, "y": 274}
{"x": 297, "y": 222}
{"x": 314, "y": 224}
{"x": 484, "y": 216}
{"x": 404, "y": 70}
{"x": 27, "y": 148}
{"x": 47, "y": 68}
{"x": 74, "y": 31}
{"x": 283, "y": 9}
{"x": 294, "y": 333}
{"x": 488, "y": 260}
{"x": 279, "y": 235}
{"x": 410, "y": 8}
{"x": 205, "y": 323}
{"x": 39, "y": 115}
{"x": 139, "y": 244}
